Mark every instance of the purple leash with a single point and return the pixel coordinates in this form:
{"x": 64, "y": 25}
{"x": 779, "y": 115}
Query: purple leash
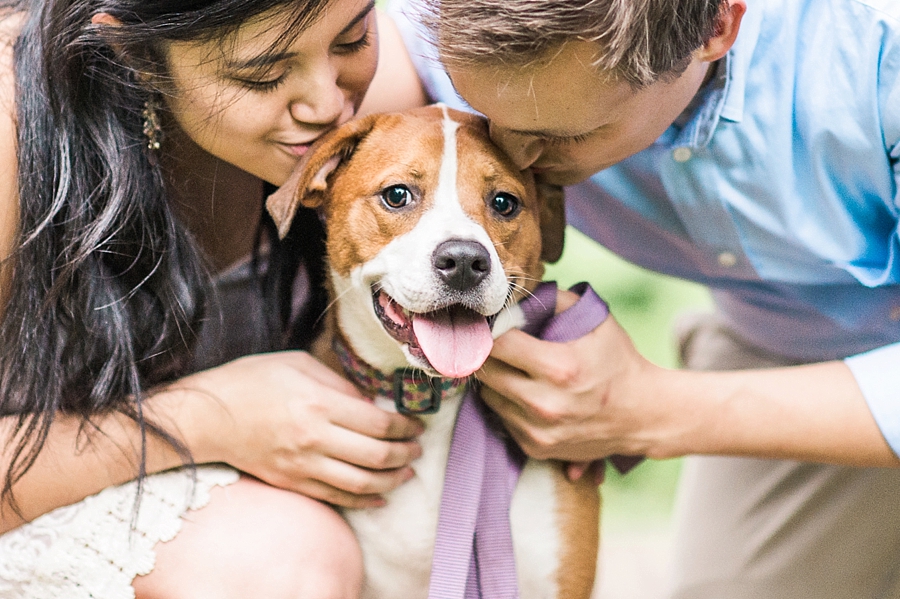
{"x": 473, "y": 554}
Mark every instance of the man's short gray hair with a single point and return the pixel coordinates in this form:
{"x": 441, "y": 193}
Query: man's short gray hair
{"x": 638, "y": 41}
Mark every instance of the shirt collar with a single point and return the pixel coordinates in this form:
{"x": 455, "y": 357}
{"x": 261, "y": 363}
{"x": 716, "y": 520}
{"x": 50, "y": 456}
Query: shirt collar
{"x": 723, "y": 96}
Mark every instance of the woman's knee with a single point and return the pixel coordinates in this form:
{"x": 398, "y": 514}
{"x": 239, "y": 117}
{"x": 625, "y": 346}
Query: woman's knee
{"x": 253, "y": 540}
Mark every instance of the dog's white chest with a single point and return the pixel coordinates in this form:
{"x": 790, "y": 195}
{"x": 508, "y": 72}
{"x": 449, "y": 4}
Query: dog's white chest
{"x": 398, "y": 539}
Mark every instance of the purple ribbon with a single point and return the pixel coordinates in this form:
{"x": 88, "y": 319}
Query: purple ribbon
{"x": 473, "y": 554}
{"x": 578, "y": 320}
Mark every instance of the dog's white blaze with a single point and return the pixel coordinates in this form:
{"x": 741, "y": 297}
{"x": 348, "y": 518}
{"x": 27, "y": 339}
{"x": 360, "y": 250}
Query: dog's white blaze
{"x": 535, "y": 531}
{"x": 445, "y": 219}
{"x": 446, "y": 190}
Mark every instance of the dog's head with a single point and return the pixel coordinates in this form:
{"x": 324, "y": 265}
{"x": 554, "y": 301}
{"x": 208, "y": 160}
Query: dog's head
{"x": 432, "y": 232}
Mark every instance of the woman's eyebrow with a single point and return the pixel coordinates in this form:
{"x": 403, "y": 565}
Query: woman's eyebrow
{"x": 359, "y": 17}
{"x": 268, "y": 59}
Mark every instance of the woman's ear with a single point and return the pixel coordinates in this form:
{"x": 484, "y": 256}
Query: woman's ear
{"x": 726, "y": 32}
{"x": 104, "y": 18}
{"x": 113, "y": 35}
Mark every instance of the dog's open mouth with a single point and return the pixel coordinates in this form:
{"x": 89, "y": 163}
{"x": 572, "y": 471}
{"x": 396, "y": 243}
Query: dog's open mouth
{"x": 455, "y": 340}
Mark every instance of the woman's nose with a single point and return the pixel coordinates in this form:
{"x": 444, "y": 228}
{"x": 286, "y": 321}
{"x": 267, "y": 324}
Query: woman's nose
{"x": 523, "y": 150}
{"x": 321, "y": 101}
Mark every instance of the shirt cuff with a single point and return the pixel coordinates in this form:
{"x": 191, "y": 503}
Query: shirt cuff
{"x": 877, "y": 373}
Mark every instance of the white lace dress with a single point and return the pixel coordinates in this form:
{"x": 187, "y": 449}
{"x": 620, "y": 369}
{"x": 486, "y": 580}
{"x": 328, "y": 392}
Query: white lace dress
{"x": 90, "y": 550}
{"x": 95, "y": 548}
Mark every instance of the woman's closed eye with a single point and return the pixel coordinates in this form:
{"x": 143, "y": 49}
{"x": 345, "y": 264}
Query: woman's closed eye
{"x": 358, "y": 37}
{"x": 264, "y": 84}
{"x": 364, "y": 41}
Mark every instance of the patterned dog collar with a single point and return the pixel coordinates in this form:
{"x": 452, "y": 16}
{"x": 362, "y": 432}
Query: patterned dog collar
{"x": 413, "y": 390}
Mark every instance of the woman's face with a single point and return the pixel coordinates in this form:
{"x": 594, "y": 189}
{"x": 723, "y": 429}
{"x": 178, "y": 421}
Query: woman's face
{"x": 261, "y": 110}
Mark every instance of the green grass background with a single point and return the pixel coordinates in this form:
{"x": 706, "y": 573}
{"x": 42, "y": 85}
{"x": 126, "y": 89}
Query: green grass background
{"x": 646, "y": 304}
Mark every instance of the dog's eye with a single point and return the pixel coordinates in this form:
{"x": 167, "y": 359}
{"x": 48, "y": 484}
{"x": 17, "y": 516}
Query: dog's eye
{"x": 397, "y": 196}
{"x": 505, "y": 204}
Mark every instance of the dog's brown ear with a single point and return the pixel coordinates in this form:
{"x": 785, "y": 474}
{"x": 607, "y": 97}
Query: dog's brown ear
{"x": 308, "y": 182}
{"x": 553, "y": 221}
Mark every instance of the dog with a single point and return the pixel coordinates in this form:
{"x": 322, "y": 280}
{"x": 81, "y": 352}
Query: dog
{"x": 433, "y": 235}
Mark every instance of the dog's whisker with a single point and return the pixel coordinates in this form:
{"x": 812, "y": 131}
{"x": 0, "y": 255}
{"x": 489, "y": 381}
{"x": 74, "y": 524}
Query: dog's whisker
{"x": 332, "y": 303}
{"x": 517, "y": 274}
{"x": 515, "y": 286}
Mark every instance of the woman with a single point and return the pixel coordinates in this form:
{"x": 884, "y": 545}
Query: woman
{"x": 137, "y": 142}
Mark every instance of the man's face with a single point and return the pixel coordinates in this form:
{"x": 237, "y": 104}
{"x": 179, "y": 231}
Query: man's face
{"x": 567, "y": 122}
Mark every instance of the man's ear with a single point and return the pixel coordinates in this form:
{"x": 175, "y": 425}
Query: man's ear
{"x": 309, "y": 182}
{"x": 553, "y": 221}
{"x": 727, "y": 28}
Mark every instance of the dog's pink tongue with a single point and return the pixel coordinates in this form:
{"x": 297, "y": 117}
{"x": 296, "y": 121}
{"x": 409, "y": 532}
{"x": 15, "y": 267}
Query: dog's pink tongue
{"x": 456, "y": 341}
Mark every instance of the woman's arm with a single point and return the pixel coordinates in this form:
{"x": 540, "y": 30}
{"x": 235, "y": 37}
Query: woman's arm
{"x": 396, "y": 85}
{"x": 282, "y": 417}
{"x": 597, "y": 396}
{"x": 74, "y": 464}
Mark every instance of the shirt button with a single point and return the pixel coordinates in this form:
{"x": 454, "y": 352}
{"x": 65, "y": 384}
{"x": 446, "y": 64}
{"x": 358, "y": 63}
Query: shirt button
{"x": 682, "y": 154}
{"x": 727, "y": 259}
{"x": 895, "y": 314}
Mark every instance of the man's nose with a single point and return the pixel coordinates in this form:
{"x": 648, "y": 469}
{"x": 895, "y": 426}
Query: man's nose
{"x": 524, "y": 150}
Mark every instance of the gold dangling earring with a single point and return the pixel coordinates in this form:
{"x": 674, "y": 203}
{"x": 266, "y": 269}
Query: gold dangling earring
{"x": 152, "y": 129}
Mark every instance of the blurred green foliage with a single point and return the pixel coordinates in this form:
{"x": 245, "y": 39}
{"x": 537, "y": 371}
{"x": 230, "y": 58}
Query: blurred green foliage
{"x": 646, "y": 304}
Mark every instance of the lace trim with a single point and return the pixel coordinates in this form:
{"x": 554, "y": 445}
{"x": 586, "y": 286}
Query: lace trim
{"x": 89, "y": 550}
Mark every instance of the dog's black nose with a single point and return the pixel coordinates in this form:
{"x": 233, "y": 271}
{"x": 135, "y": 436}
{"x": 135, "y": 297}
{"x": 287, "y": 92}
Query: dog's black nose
{"x": 461, "y": 264}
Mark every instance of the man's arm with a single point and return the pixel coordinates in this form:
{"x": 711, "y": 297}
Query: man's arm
{"x": 597, "y": 396}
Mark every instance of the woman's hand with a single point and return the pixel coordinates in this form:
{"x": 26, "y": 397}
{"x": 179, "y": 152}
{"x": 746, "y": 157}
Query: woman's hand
{"x": 287, "y": 419}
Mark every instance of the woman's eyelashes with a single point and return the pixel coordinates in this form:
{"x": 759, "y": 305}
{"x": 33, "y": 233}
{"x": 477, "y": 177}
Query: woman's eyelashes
{"x": 263, "y": 85}
{"x": 364, "y": 41}
{"x": 267, "y": 82}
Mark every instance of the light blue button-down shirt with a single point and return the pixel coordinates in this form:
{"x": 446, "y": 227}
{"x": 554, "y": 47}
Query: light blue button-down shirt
{"x": 779, "y": 189}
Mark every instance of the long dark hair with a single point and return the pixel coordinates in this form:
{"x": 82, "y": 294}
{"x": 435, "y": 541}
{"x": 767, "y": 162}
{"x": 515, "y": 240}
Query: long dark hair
{"x": 108, "y": 288}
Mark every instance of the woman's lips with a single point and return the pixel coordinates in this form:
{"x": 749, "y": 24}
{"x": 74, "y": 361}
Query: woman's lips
{"x": 296, "y": 149}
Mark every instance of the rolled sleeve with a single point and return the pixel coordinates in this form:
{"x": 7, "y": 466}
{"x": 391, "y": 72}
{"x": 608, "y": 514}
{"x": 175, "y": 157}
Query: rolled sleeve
{"x": 877, "y": 373}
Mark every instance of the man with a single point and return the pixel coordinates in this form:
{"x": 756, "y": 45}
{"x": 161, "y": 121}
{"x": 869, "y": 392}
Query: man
{"x": 753, "y": 148}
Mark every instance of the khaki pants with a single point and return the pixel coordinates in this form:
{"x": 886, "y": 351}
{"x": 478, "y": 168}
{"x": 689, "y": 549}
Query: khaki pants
{"x": 770, "y": 529}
